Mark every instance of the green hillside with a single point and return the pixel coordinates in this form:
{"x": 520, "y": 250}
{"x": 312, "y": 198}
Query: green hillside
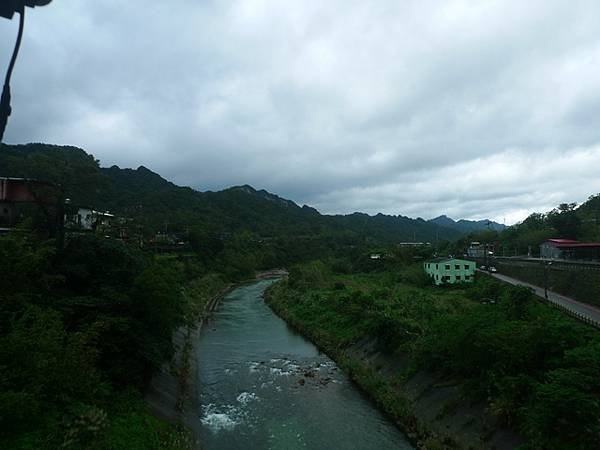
{"x": 154, "y": 202}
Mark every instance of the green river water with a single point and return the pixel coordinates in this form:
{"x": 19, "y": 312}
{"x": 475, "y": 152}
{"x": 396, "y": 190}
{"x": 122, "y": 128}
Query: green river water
{"x": 263, "y": 386}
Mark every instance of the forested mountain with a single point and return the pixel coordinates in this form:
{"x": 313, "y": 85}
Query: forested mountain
{"x": 467, "y": 226}
{"x": 156, "y": 203}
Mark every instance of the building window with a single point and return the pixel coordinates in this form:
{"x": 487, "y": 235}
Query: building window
{"x": 467, "y": 277}
{"x": 447, "y": 266}
{"x": 436, "y": 267}
{"x": 457, "y": 266}
{"x": 458, "y": 278}
{"x": 466, "y": 267}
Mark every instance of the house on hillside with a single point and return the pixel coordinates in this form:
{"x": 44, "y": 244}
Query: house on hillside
{"x": 450, "y": 270}
{"x": 476, "y": 250}
{"x": 413, "y": 244}
{"x": 570, "y": 249}
{"x": 80, "y": 218}
{"x": 103, "y": 221}
{"x": 85, "y": 218}
{"x": 19, "y": 191}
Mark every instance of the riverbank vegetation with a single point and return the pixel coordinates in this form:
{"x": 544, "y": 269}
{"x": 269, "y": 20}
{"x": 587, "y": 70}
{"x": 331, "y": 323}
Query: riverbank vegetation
{"x": 536, "y": 370}
{"x": 81, "y": 331}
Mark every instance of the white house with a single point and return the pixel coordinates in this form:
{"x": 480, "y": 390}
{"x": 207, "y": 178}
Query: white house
{"x": 81, "y": 219}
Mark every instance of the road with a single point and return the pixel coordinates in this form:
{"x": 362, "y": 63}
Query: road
{"x": 578, "y": 309}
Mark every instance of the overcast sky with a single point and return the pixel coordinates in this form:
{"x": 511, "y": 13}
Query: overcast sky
{"x": 473, "y": 109}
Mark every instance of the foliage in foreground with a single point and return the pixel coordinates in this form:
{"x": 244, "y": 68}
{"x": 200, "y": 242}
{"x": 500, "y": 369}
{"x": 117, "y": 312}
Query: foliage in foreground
{"x": 537, "y": 368}
{"x": 81, "y": 331}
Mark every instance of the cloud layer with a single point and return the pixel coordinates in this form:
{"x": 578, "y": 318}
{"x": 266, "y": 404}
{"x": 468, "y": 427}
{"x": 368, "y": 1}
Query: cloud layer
{"x": 473, "y": 109}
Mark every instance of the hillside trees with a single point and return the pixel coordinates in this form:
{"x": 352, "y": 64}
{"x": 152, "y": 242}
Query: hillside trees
{"x": 77, "y": 328}
{"x": 565, "y": 221}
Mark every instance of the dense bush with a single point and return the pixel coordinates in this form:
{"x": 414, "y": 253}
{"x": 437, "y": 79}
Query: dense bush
{"x": 77, "y": 327}
{"x": 416, "y": 276}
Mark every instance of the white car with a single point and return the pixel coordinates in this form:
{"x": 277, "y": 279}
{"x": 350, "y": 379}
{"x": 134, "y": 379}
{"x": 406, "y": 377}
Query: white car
{"x": 493, "y": 269}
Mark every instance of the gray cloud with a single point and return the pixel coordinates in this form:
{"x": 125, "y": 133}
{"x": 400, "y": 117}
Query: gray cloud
{"x": 473, "y": 109}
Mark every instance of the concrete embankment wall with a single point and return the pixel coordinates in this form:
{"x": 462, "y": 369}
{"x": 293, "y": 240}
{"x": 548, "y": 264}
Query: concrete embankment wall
{"x": 171, "y": 394}
{"x": 581, "y": 283}
{"x": 438, "y": 412}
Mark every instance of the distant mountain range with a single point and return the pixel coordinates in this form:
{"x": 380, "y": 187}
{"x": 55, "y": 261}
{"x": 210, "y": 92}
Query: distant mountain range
{"x": 156, "y": 203}
{"x": 467, "y": 226}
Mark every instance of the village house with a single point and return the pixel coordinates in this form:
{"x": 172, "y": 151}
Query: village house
{"x": 413, "y": 244}
{"x": 476, "y": 250}
{"x": 85, "y": 218}
{"x": 82, "y": 219}
{"x": 19, "y": 191}
{"x": 450, "y": 270}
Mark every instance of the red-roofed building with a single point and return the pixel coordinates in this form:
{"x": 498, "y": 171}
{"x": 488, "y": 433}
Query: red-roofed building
{"x": 14, "y": 191}
{"x": 563, "y": 241}
{"x": 570, "y": 249}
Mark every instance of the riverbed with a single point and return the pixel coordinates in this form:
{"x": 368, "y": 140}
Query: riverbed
{"x": 263, "y": 386}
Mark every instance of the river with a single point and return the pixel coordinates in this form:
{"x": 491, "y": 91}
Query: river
{"x": 263, "y": 386}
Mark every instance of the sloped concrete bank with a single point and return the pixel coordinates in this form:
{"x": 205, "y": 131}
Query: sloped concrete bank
{"x": 172, "y": 392}
{"x": 434, "y": 413}
{"x": 437, "y": 410}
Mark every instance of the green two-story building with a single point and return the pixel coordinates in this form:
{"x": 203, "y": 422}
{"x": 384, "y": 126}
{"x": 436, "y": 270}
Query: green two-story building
{"x": 450, "y": 270}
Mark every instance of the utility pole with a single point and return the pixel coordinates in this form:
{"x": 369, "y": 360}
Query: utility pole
{"x": 485, "y": 256}
{"x": 547, "y": 265}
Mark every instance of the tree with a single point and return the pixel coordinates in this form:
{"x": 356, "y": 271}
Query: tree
{"x": 565, "y": 220}
{"x": 515, "y": 301}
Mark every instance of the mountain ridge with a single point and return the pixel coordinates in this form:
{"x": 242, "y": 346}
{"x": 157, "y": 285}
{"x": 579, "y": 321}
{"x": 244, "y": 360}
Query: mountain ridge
{"x": 152, "y": 200}
{"x": 467, "y": 226}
